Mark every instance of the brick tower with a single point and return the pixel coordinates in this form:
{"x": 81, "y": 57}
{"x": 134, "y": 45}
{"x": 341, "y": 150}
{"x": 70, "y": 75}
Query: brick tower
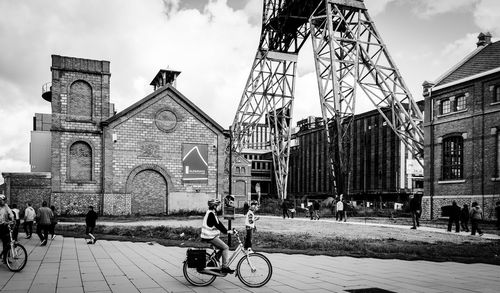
{"x": 80, "y": 102}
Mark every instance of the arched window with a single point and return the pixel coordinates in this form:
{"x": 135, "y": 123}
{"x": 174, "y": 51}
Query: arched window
{"x": 80, "y": 161}
{"x": 453, "y": 158}
{"x": 80, "y": 100}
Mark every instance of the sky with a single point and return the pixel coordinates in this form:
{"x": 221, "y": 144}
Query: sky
{"x": 213, "y": 44}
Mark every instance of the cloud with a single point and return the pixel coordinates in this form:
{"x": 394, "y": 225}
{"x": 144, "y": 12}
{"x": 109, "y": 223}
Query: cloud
{"x": 487, "y": 16}
{"x": 378, "y": 6}
{"x": 428, "y": 8}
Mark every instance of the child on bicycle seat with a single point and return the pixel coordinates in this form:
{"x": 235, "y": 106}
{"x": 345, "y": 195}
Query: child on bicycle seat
{"x": 250, "y": 219}
{"x": 210, "y": 231}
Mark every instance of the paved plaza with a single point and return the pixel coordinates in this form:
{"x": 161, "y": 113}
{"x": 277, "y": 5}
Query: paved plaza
{"x": 71, "y": 265}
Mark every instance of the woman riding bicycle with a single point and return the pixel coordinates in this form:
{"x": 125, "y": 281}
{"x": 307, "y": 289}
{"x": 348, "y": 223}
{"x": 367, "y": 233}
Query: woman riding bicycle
{"x": 210, "y": 232}
{"x": 6, "y": 216}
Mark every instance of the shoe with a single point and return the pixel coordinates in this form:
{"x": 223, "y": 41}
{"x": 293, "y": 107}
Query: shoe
{"x": 413, "y": 228}
{"x": 53, "y": 236}
{"x": 94, "y": 241}
{"x": 227, "y": 270}
{"x": 90, "y": 242}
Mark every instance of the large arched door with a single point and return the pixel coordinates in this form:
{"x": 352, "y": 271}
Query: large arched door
{"x": 149, "y": 193}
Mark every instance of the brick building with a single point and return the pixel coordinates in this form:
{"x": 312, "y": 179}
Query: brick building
{"x": 161, "y": 154}
{"x": 377, "y": 164}
{"x": 462, "y": 133}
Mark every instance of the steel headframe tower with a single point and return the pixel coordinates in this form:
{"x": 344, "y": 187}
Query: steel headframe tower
{"x": 349, "y": 55}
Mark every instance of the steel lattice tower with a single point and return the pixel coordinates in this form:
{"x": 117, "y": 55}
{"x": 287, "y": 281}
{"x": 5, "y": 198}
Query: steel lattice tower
{"x": 350, "y": 58}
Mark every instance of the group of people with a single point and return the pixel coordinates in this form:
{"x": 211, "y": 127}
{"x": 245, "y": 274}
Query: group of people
{"x": 461, "y": 216}
{"x": 45, "y": 218}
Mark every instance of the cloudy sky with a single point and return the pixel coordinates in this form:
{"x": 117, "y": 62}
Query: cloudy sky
{"x": 212, "y": 42}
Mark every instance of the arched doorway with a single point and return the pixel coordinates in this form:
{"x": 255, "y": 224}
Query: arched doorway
{"x": 149, "y": 193}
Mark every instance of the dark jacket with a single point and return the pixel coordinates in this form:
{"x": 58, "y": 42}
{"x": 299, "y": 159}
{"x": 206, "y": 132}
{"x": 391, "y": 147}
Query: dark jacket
{"x": 91, "y": 218}
{"x": 454, "y": 212}
{"x": 464, "y": 214}
{"x": 415, "y": 205}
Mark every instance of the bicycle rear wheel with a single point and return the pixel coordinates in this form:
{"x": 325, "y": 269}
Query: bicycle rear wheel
{"x": 16, "y": 257}
{"x": 196, "y": 278}
{"x": 254, "y": 270}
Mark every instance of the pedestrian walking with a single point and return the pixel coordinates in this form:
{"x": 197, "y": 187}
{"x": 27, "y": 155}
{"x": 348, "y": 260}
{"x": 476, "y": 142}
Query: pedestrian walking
{"x": 29, "y": 218}
{"x": 464, "y": 218}
{"x": 17, "y": 222}
{"x": 6, "y": 216}
{"x": 90, "y": 220}
{"x": 476, "y": 215}
{"x": 284, "y": 207}
{"x": 415, "y": 210}
{"x": 497, "y": 213}
{"x": 44, "y": 217}
{"x": 340, "y": 210}
{"x": 347, "y": 208}
{"x": 316, "y": 207}
{"x": 454, "y": 217}
{"x": 53, "y": 223}
{"x": 311, "y": 210}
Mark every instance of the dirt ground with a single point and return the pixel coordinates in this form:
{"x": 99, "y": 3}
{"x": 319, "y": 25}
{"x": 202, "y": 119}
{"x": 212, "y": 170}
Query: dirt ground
{"x": 354, "y": 228}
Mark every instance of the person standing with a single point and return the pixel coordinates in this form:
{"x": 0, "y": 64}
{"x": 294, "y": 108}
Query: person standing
{"x": 53, "y": 223}
{"x": 454, "y": 217}
{"x": 464, "y": 218}
{"x": 90, "y": 220}
{"x": 250, "y": 220}
{"x": 497, "y": 213}
{"x": 476, "y": 215}
{"x": 415, "y": 209}
{"x": 284, "y": 207}
{"x": 44, "y": 217}
{"x": 316, "y": 207}
{"x": 311, "y": 210}
{"x": 6, "y": 216}
{"x": 29, "y": 217}
{"x": 340, "y": 210}
{"x": 17, "y": 222}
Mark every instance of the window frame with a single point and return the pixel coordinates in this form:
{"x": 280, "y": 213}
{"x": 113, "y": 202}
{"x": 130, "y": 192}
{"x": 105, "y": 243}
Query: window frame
{"x": 457, "y": 103}
{"x": 442, "y": 106}
{"x": 452, "y": 158}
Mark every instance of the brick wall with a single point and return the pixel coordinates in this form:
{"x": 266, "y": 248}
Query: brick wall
{"x": 477, "y": 124}
{"x": 21, "y": 188}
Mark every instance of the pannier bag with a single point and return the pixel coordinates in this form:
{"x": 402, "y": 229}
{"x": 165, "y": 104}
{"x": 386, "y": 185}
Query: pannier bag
{"x": 196, "y": 258}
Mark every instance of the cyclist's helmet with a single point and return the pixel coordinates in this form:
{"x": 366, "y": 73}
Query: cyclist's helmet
{"x": 2, "y": 197}
{"x": 213, "y": 202}
{"x": 254, "y": 203}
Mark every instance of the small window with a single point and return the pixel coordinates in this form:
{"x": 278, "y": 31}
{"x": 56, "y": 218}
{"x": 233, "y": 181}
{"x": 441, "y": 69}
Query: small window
{"x": 460, "y": 103}
{"x": 496, "y": 93}
{"x": 445, "y": 106}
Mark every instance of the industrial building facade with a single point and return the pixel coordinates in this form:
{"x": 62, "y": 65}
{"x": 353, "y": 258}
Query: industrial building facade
{"x": 462, "y": 133}
{"x": 377, "y": 162}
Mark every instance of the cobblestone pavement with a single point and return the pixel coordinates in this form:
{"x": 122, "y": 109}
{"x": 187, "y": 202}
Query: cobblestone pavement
{"x": 70, "y": 265}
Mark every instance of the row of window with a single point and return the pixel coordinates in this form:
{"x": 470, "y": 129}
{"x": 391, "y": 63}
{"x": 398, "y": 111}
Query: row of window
{"x": 458, "y": 103}
{"x": 449, "y": 105}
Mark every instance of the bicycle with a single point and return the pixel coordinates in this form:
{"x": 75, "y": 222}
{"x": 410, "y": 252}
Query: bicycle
{"x": 17, "y": 257}
{"x": 201, "y": 268}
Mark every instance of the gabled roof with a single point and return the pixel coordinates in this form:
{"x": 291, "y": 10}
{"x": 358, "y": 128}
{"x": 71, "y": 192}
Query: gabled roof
{"x": 153, "y": 95}
{"x": 482, "y": 59}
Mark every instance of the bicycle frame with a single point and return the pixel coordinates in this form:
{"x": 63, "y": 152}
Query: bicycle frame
{"x": 239, "y": 249}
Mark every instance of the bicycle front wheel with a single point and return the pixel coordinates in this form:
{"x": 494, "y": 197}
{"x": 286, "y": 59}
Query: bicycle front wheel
{"x": 16, "y": 257}
{"x": 254, "y": 270}
{"x": 194, "y": 277}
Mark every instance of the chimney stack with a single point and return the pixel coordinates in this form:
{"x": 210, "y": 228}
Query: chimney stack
{"x": 164, "y": 77}
{"x": 483, "y": 39}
